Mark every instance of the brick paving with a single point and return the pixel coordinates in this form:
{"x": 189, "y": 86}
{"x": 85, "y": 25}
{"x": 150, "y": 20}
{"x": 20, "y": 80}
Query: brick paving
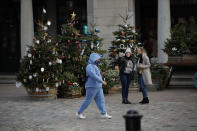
{"x": 169, "y": 110}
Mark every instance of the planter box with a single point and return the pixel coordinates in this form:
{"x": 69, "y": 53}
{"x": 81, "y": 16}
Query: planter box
{"x": 52, "y": 93}
{"x": 174, "y": 59}
{"x": 66, "y": 93}
{"x": 189, "y": 58}
{"x": 115, "y": 89}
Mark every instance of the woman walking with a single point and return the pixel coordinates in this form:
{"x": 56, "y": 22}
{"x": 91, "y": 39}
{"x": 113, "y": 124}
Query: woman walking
{"x": 94, "y": 88}
{"x": 126, "y": 67}
{"x": 144, "y": 74}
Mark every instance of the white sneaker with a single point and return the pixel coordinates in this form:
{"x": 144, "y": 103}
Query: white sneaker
{"x": 106, "y": 116}
{"x": 80, "y": 116}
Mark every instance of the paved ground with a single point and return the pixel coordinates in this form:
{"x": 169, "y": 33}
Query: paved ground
{"x": 169, "y": 110}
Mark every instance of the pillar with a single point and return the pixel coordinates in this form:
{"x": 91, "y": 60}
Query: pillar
{"x": 27, "y": 27}
{"x": 164, "y": 24}
{"x": 131, "y": 12}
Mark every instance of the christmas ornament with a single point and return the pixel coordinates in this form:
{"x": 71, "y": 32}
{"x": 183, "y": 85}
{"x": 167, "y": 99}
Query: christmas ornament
{"x": 34, "y": 75}
{"x": 75, "y": 84}
{"x": 92, "y": 45}
{"x": 45, "y": 28}
{"x": 49, "y": 41}
{"x": 174, "y": 49}
{"x": 122, "y": 46}
{"x": 48, "y": 22}
{"x": 56, "y": 84}
{"x": 30, "y": 62}
{"x": 123, "y": 41}
{"x": 118, "y": 40}
{"x": 79, "y": 35}
{"x": 25, "y": 80}
{"x": 18, "y": 84}
{"x": 131, "y": 45}
{"x": 116, "y": 67}
{"x": 44, "y": 11}
{"x": 130, "y": 41}
{"x": 85, "y": 29}
{"x": 69, "y": 83}
{"x": 37, "y": 41}
{"x": 96, "y": 30}
{"x": 84, "y": 40}
{"x": 30, "y": 77}
{"x": 68, "y": 41}
{"x": 139, "y": 43}
{"x": 29, "y": 55}
{"x": 76, "y": 42}
{"x": 82, "y": 51}
{"x": 97, "y": 43}
{"x": 37, "y": 89}
{"x": 123, "y": 33}
{"x": 50, "y": 63}
{"x": 47, "y": 89}
{"x": 42, "y": 69}
{"x": 126, "y": 25}
{"x": 59, "y": 61}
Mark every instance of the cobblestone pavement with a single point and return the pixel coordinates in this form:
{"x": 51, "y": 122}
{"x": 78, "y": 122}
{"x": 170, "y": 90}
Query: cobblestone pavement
{"x": 169, "y": 110}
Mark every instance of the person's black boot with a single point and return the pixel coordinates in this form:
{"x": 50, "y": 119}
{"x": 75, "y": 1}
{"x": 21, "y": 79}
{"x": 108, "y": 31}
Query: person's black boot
{"x": 125, "y": 101}
{"x": 144, "y": 101}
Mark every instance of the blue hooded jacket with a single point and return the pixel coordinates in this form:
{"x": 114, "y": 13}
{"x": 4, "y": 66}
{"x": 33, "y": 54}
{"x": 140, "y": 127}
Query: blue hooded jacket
{"x": 93, "y": 72}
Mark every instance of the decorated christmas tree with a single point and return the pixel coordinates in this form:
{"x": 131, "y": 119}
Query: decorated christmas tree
{"x": 125, "y": 36}
{"x": 75, "y": 49}
{"x": 40, "y": 70}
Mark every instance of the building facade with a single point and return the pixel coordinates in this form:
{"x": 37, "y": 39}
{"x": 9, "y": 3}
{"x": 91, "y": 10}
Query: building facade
{"x": 153, "y": 18}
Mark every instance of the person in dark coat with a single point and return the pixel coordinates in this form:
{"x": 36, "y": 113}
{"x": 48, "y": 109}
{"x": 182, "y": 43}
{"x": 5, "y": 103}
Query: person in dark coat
{"x": 126, "y": 67}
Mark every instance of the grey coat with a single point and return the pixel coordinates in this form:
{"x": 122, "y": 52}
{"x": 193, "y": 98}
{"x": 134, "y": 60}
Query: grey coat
{"x": 146, "y": 74}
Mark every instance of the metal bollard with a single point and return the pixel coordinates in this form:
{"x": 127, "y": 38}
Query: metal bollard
{"x": 133, "y": 121}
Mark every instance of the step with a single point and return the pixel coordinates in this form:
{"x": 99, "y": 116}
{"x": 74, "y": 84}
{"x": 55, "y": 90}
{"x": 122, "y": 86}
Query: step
{"x": 181, "y": 83}
{"x": 181, "y": 86}
{"x": 7, "y": 79}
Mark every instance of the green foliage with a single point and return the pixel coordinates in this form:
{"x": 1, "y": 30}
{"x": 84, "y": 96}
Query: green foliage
{"x": 111, "y": 77}
{"x": 183, "y": 39}
{"x": 158, "y": 73}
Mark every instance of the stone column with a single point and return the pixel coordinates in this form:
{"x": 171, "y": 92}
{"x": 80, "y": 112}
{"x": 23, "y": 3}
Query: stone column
{"x": 164, "y": 24}
{"x": 27, "y": 27}
{"x": 90, "y": 16}
{"x": 131, "y": 12}
{"x": 51, "y": 15}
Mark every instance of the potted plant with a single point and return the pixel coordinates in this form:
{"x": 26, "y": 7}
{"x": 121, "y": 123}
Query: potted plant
{"x": 158, "y": 75}
{"x": 181, "y": 46}
{"x": 112, "y": 78}
{"x": 70, "y": 87}
{"x": 40, "y": 68}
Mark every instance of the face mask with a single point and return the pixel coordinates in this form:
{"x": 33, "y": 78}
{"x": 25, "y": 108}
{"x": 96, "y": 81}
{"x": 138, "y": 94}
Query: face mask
{"x": 98, "y": 63}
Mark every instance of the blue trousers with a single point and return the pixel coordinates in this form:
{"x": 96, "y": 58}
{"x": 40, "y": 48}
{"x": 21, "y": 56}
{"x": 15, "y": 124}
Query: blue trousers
{"x": 125, "y": 82}
{"x": 142, "y": 86}
{"x": 95, "y": 93}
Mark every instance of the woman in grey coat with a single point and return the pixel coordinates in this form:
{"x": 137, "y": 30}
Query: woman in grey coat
{"x": 144, "y": 74}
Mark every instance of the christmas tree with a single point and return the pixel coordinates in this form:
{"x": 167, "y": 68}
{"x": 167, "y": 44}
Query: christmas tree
{"x": 40, "y": 69}
{"x": 75, "y": 48}
{"x": 70, "y": 45}
{"x": 125, "y": 37}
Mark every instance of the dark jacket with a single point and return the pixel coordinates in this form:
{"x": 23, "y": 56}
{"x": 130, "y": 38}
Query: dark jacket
{"x": 122, "y": 61}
